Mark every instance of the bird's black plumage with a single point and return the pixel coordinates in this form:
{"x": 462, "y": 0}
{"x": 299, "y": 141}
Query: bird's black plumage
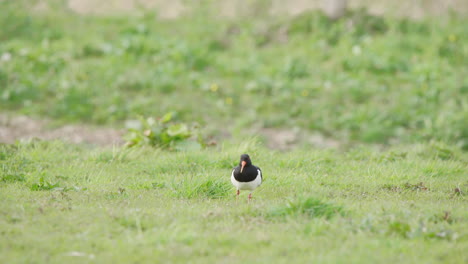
{"x": 250, "y": 171}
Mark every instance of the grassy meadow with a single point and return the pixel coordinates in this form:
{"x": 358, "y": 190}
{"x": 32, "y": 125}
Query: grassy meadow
{"x": 63, "y": 203}
{"x": 393, "y": 92}
{"x": 360, "y": 79}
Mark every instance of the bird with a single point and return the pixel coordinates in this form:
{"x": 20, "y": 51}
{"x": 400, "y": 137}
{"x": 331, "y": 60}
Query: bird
{"x": 246, "y": 176}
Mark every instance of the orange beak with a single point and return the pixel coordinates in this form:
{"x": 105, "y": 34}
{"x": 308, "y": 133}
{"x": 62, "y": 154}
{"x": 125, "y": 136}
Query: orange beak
{"x": 243, "y": 163}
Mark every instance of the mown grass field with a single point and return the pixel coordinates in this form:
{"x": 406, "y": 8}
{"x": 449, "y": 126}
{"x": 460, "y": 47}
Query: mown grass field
{"x": 391, "y": 91}
{"x": 63, "y": 203}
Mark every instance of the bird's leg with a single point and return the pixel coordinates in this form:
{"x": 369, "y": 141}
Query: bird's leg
{"x": 237, "y": 196}
{"x": 250, "y": 197}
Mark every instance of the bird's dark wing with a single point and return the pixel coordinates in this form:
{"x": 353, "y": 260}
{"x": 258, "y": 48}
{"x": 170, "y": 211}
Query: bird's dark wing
{"x": 235, "y": 170}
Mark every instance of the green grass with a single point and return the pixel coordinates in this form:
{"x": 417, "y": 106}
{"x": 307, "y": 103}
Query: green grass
{"x": 396, "y": 82}
{"x": 360, "y": 79}
{"x": 145, "y": 205}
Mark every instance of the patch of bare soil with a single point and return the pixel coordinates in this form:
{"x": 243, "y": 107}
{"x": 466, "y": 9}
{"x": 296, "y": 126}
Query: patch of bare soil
{"x": 14, "y": 128}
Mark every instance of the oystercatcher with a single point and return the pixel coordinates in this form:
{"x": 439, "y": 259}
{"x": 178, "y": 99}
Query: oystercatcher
{"x": 246, "y": 176}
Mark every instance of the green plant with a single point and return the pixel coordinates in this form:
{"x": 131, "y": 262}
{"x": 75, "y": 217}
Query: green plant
{"x": 164, "y": 133}
{"x": 44, "y": 185}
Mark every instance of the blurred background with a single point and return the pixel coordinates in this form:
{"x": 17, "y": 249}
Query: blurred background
{"x": 292, "y": 73}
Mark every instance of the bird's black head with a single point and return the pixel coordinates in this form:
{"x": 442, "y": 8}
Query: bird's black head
{"x": 246, "y": 158}
{"x": 244, "y": 161}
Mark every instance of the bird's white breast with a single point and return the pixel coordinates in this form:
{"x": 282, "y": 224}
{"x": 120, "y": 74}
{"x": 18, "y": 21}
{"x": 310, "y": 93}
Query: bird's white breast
{"x": 247, "y": 185}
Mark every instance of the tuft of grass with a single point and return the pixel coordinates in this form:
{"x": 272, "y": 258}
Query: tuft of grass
{"x": 399, "y": 228}
{"x": 212, "y": 189}
{"x": 9, "y": 178}
{"x": 310, "y": 207}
